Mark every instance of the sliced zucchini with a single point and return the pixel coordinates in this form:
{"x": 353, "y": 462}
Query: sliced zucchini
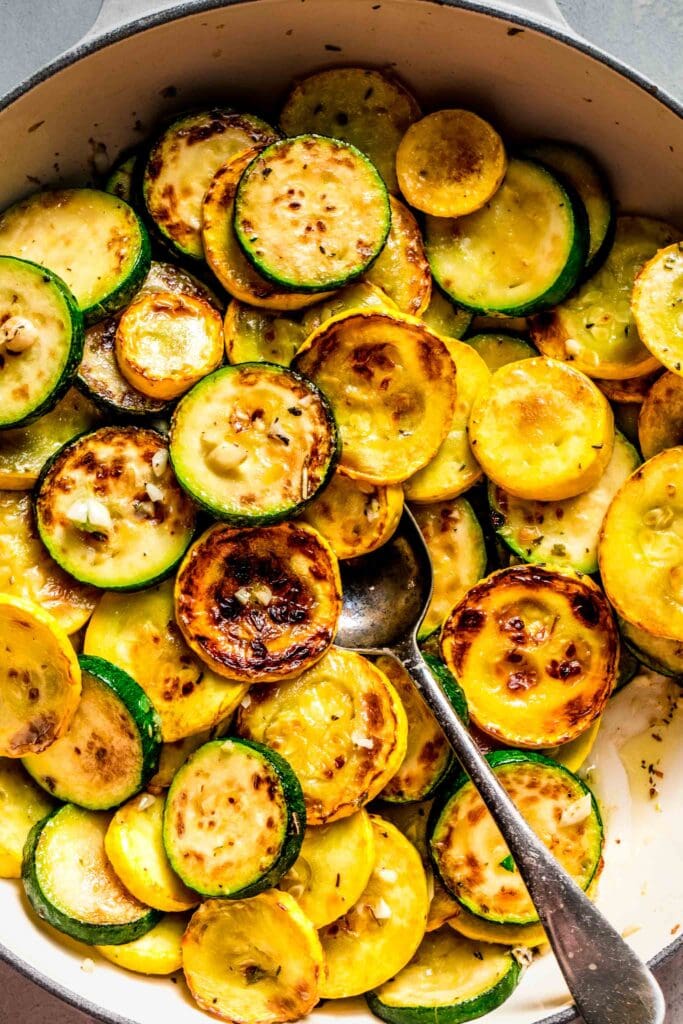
{"x": 119, "y": 181}
{"x": 445, "y": 318}
{"x": 168, "y": 277}
{"x": 70, "y": 883}
{"x": 629, "y": 667}
{"x": 498, "y": 348}
{"x": 456, "y": 546}
{"x": 468, "y": 851}
{"x": 172, "y": 756}
{"x": 259, "y": 604}
{"x": 100, "y": 378}
{"x": 656, "y": 306}
{"x": 522, "y": 252}
{"x": 594, "y": 329}
{"x": 22, "y": 804}
{"x": 138, "y": 633}
{"x": 355, "y": 517}
{"x": 25, "y": 450}
{"x": 454, "y": 468}
{"x": 633, "y": 391}
{"x": 450, "y": 980}
{"x": 359, "y": 295}
{"x": 41, "y": 341}
{"x": 660, "y": 423}
{"x": 254, "y": 961}
{"x": 166, "y": 342}
{"x": 563, "y": 534}
{"x": 340, "y": 725}
{"x": 359, "y": 105}
{"x": 450, "y": 163}
{"x": 107, "y": 516}
{"x": 655, "y": 652}
{"x": 542, "y": 430}
{"x": 253, "y": 443}
{"x": 40, "y": 678}
{"x": 391, "y": 385}
{"x": 92, "y": 240}
{"x": 536, "y": 652}
{"x": 180, "y": 164}
{"x": 589, "y": 181}
{"x": 111, "y": 747}
{"x": 381, "y": 932}
{"x": 26, "y": 569}
{"x": 401, "y": 270}
{"x": 641, "y": 549}
{"x": 311, "y": 213}
{"x": 333, "y": 868}
{"x": 234, "y": 819}
{"x": 157, "y": 952}
{"x": 135, "y": 847}
{"x": 519, "y": 935}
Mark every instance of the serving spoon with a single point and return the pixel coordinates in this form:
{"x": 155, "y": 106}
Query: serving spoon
{"x": 385, "y": 597}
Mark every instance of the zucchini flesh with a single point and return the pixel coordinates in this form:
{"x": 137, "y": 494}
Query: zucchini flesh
{"x": 181, "y": 163}
{"x": 253, "y": 443}
{"x": 70, "y": 883}
{"x": 449, "y": 980}
{"x": 341, "y": 726}
{"x": 536, "y": 653}
{"x": 498, "y": 348}
{"x": 655, "y": 652}
{"x": 95, "y": 514}
{"x": 655, "y": 305}
{"x": 100, "y": 378}
{"x": 157, "y": 952}
{"x": 321, "y": 233}
{"x": 444, "y": 317}
{"x": 523, "y": 251}
{"x": 92, "y": 240}
{"x": 23, "y": 804}
{"x": 355, "y": 517}
{"x": 402, "y": 270}
{"x": 111, "y": 747}
{"x": 660, "y": 422}
{"x": 41, "y": 341}
{"x": 468, "y": 851}
{"x": 234, "y": 819}
{"x": 565, "y": 533}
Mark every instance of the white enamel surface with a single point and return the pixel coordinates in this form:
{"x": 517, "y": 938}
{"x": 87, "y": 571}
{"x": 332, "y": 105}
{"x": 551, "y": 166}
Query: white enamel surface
{"x": 529, "y": 84}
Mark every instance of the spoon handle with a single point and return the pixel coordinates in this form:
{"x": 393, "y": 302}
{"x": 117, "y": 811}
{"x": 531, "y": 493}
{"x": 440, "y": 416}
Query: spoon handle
{"x": 609, "y": 983}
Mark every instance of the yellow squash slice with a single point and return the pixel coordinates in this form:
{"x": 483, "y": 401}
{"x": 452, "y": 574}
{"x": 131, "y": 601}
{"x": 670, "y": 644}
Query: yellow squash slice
{"x": 660, "y": 423}
{"x": 657, "y": 306}
{"x": 22, "y": 804}
{"x": 158, "y": 952}
{"x": 442, "y": 907}
{"x": 542, "y": 430}
{"x": 401, "y": 270}
{"x": 476, "y": 928}
{"x": 573, "y": 755}
{"x": 172, "y": 756}
{"x": 354, "y": 516}
{"x": 633, "y": 391}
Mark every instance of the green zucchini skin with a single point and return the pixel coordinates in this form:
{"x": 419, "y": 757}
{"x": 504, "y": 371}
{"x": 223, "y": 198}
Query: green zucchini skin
{"x": 448, "y": 683}
{"x": 628, "y": 665}
{"x": 121, "y": 296}
{"x": 75, "y": 347}
{"x": 119, "y": 180}
{"x": 660, "y": 655}
{"x": 510, "y": 347}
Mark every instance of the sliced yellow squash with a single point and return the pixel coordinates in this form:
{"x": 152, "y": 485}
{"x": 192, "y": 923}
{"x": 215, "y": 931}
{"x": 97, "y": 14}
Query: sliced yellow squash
{"x": 476, "y": 928}
{"x": 157, "y": 952}
{"x": 660, "y": 423}
{"x": 401, "y": 270}
{"x": 633, "y": 391}
{"x": 22, "y": 804}
{"x": 172, "y": 756}
{"x": 354, "y": 516}
{"x": 657, "y": 306}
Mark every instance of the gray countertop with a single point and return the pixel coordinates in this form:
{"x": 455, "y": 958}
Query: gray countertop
{"x": 647, "y": 34}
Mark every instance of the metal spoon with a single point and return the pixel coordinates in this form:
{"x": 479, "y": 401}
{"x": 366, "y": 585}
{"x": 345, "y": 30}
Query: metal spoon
{"x": 385, "y": 598}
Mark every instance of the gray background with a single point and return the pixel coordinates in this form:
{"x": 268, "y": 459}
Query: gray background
{"x": 647, "y": 34}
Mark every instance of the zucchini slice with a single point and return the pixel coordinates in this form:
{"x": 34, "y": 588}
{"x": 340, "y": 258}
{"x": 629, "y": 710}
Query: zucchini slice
{"x": 26, "y": 569}
{"x": 655, "y": 306}
{"x": 333, "y": 868}
{"x": 41, "y": 341}
{"x": 253, "y": 443}
{"x": 391, "y": 385}
{"x": 40, "y": 678}
{"x": 454, "y": 468}
{"x": 168, "y": 277}
{"x": 25, "y": 450}
{"x": 119, "y": 181}
{"x": 92, "y": 240}
{"x": 522, "y": 252}
{"x": 468, "y": 851}
{"x": 180, "y": 164}
{"x": 340, "y": 725}
{"x": 100, "y": 378}
{"x": 445, "y": 318}
{"x": 542, "y": 430}
{"x": 234, "y": 819}
{"x": 23, "y": 804}
{"x": 450, "y": 163}
{"x": 594, "y": 329}
{"x": 450, "y": 980}
{"x": 498, "y": 348}
{"x": 166, "y": 342}
{"x": 633, "y": 391}
{"x": 321, "y": 232}
{"x": 402, "y": 270}
{"x": 138, "y": 633}
{"x": 655, "y": 652}
{"x": 71, "y": 884}
{"x": 158, "y": 952}
{"x": 562, "y": 534}
{"x": 355, "y": 517}
{"x": 359, "y": 105}
{"x": 135, "y": 847}
{"x": 660, "y": 423}
{"x": 641, "y": 550}
{"x": 111, "y": 747}
{"x": 107, "y": 516}
{"x": 381, "y": 932}
{"x": 536, "y": 652}
{"x": 359, "y": 295}
{"x": 456, "y": 546}
{"x": 273, "y": 957}
{"x": 260, "y": 604}
{"x": 589, "y": 181}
